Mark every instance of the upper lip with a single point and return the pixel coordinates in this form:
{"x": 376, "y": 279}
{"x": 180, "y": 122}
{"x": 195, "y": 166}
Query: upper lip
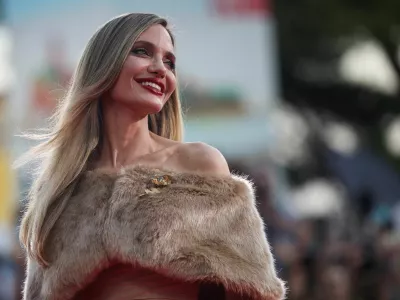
{"x": 154, "y": 80}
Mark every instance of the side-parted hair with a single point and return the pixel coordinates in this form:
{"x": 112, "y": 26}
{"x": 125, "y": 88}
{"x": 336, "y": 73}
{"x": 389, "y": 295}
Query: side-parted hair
{"x": 76, "y": 130}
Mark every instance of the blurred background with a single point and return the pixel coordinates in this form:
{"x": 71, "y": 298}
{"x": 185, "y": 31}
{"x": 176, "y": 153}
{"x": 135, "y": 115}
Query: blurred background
{"x": 304, "y": 96}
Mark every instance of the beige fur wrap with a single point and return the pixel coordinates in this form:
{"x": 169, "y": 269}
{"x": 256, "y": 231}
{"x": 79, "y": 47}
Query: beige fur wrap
{"x": 183, "y": 225}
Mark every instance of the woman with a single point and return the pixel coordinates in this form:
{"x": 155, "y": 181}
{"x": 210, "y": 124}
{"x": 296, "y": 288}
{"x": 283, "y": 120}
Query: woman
{"x": 121, "y": 208}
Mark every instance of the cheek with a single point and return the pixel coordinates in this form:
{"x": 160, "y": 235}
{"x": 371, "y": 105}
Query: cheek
{"x": 131, "y": 68}
{"x": 134, "y": 66}
{"x": 121, "y": 86}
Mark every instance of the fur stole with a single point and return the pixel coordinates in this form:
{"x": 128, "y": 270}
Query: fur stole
{"x": 197, "y": 228}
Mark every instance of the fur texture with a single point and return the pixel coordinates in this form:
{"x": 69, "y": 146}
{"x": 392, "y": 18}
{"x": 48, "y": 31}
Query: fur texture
{"x": 197, "y": 228}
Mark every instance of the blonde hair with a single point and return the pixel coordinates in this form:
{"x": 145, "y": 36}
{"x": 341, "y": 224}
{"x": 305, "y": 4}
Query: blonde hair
{"x": 76, "y": 131}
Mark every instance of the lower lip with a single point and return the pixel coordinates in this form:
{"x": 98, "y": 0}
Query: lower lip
{"x": 151, "y": 90}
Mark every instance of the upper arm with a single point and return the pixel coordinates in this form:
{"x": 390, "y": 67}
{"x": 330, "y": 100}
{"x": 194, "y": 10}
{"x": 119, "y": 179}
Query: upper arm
{"x": 204, "y": 158}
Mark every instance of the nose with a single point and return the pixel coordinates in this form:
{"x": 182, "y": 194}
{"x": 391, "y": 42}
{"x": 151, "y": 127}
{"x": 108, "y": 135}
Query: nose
{"x": 157, "y": 67}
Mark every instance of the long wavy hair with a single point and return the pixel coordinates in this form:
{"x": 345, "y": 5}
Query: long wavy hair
{"x": 75, "y": 133}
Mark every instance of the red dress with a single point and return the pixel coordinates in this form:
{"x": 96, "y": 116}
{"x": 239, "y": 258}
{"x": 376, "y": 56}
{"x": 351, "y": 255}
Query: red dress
{"x": 124, "y": 282}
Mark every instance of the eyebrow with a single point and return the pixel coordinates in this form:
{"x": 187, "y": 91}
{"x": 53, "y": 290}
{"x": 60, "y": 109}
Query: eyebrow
{"x": 151, "y": 45}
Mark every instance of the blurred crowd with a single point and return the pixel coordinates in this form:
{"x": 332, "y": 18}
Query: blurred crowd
{"x": 350, "y": 255}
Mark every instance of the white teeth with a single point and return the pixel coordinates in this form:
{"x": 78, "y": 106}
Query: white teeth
{"x": 152, "y": 84}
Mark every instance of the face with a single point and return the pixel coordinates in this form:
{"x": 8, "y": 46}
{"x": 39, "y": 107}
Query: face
{"x": 147, "y": 78}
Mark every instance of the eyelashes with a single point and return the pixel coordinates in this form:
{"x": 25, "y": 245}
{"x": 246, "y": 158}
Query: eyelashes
{"x": 171, "y": 64}
{"x": 140, "y": 51}
{"x": 143, "y": 52}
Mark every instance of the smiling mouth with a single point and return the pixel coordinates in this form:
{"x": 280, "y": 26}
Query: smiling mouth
{"x": 152, "y": 87}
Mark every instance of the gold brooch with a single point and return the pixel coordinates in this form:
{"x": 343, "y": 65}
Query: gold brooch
{"x": 158, "y": 181}
{"x": 161, "y": 180}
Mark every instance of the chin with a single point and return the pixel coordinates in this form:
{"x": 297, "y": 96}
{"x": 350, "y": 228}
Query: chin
{"x": 156, "y": 107}
{"x": 153, "y": 108}
{"x": 146, "y": 106}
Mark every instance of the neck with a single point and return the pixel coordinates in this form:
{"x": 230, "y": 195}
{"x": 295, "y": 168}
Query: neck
{"x": 126, "y": 136}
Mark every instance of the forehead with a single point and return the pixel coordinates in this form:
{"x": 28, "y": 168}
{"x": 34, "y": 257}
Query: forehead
{"x": 158, "y": 36}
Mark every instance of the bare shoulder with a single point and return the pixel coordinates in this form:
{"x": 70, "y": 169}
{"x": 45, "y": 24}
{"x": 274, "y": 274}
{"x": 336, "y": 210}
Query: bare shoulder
{"x": 200, "y": 157}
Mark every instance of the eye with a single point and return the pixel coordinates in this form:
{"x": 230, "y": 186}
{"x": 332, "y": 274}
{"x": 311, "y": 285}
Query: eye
{"x": 140, "y": 51}
{"x": 170, "y": 63}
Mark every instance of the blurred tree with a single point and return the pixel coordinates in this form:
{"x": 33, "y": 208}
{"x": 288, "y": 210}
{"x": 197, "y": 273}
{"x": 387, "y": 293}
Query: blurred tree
{"x": 322, "y": 30}
{"x": 313, "y": 35}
